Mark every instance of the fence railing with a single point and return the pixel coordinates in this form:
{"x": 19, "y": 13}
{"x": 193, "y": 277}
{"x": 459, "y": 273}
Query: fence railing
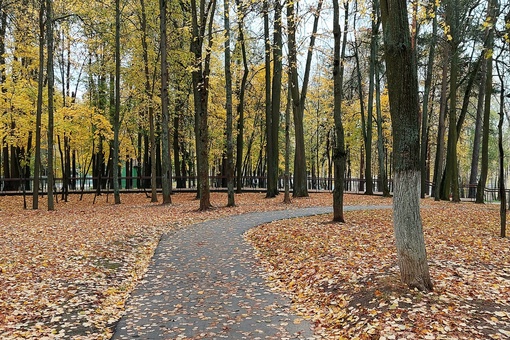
{"x": 88, "y": 184}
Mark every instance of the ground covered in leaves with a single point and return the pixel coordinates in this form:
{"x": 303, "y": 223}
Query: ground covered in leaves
{"x": 67, "y": 273}
{"x": 345, "y": 279}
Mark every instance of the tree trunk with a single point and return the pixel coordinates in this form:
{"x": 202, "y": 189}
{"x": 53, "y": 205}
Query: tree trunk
{"x": 478, "y": 133}
{"x": 380, "y": 137}
{"x": 116, "y": 114}
{"x": 38, "y": 117}
{"x": 366, "y": 127}
{"x": 425, "y": 110}
{"x": 299, "y": 97}
{"x": 50, "y": 80}
{"x": 228, "y": 107}
{"x": 404, "y": 109}
{"x": 241, "y": 94}
{"x": 276, "y": 85}
{"x": 502, "y": 191}
{"x": 166, "y": 169}
{"x": 148, "y": 98}
{"x": 339, "y": 154}
{"x": 489, "y": 43}
{"x": 200, "y": 78}
{"x": 286, "y": 197}
{"x": 438, "y": 164}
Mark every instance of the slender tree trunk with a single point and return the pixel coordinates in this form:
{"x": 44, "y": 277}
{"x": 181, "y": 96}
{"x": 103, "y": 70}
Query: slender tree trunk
{"x": 149, "y": 102}
{"x": 38, "y": 117}
{"x": 274, "y": 127}
{"x": 228, "y": 107}
{"x": 489, "y": 44}
{"x": 200, "y": 77}
{"x": 404, "y": 109}
{"x": 242, "y": 91}
{"x": 166, "y": 170}
{"x": 299, "y": 97}
{"x": 116, "y": 115}
{"x": 425, "y": 110}
{"x": 339, "y": 154}
{"x": 50, "y": 80}
{"x": 502, "y": 191}
{"x": 286, "y": 197}
{"x": 380, "y": 136}
{"x": 478, "y": 133}
{"x": 438, "y": 164}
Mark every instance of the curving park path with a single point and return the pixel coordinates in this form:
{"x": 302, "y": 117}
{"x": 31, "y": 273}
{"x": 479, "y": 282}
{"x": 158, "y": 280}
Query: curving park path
{"x": 203, "y": 283}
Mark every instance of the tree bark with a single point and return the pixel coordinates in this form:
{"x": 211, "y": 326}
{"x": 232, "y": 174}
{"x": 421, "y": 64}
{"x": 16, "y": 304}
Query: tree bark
{"x": 51, "y": 89}
{"x": 166, "y": 169}
{"x": 404, "y": 109}
{"x": 228, "y": 107}
{"x": 339, "y": 154}
{"x": 200, "y": 78}
{"x": 425, "y": 110}
{"x": 475, "y": 157}
{"x": 116, "y": 115}
{"x": 489, "y": 44}
{"x": 300, "y": 188}
{"x": 274, "y": 122}
{"x": 241, "y": 95}
{"x": 38, "y": 117}
{"x": 438, "y": 164}
{"x": 148, "y": 99}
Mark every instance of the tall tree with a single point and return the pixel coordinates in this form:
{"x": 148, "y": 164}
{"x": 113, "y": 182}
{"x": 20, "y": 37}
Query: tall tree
{"x": 273, "y": 120}
{"x": 149, "y": 92}
{"x": 241, "y": 94}
{"x": 438, "y": 164}
{"x": 165, "y": 116}
{"x": 51, "y": 90}
{"x": 492, "y": 9}
{"x": 426, "y": 95}
{"x": 371, "y": 87}
{"x": 228, "y": 107}
{"x": 450, "y": 182}
{"x": 116, "y": 114}
{"x": 404, "y": 109}
{"x": 299, "y": 95}
{"x": 202, "y": 20}
{"x": 339, "y": 154}
{"x": 38, "y": 119}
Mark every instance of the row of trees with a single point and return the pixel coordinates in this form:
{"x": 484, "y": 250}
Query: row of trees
{"x": 134, "y": 84}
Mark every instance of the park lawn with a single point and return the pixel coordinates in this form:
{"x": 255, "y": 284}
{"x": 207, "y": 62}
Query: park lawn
{"x": 345, "y": 279}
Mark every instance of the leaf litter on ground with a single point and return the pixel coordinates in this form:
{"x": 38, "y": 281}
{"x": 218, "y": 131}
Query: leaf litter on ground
{"x": 344, "y": 276}
{"x": 67, "y": 273}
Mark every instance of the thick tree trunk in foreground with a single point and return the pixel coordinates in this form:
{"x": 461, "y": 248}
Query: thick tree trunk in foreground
{"x": 404, "y": 109}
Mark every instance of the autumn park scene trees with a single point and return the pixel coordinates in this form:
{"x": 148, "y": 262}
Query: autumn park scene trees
{"x": 124, "y": 122}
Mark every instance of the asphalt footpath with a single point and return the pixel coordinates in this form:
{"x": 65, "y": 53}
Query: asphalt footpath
{"x": 204, "y": 283}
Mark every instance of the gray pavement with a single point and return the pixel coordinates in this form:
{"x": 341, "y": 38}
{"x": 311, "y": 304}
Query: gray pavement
{"x": 203, "y": 283}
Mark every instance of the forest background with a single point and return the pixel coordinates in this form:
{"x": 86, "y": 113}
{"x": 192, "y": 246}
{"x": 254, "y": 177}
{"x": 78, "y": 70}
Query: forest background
{"x": 86, "y": 86}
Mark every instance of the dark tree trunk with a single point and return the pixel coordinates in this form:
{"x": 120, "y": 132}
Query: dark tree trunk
{"x": 241, "y": 94}
{"x": 438, "y": 164}
{"x": 276, "y": 85}
{"x": 166, "y": 169}
{"x": 339, "y": 154}
{"x": 228, "y": 107}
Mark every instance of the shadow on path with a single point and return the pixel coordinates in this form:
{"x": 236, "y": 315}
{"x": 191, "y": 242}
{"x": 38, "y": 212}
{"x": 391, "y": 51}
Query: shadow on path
{"x": 203, "y": 283}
